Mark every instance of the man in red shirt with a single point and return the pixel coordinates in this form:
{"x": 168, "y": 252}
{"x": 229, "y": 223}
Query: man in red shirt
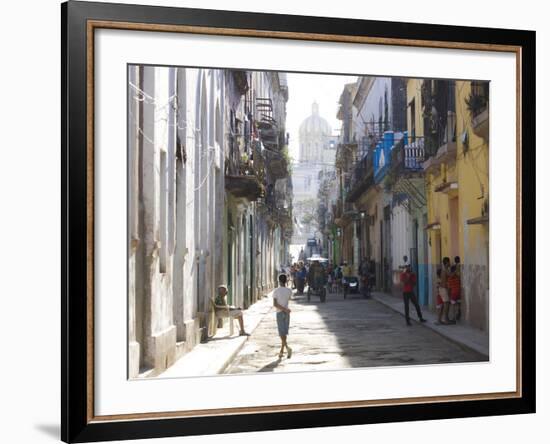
{"x": 408, "y": 281}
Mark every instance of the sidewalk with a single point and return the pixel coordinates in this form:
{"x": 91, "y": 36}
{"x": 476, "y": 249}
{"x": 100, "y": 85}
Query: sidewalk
{"x": 461, "y": 334}
{"x": 212, "y": 357}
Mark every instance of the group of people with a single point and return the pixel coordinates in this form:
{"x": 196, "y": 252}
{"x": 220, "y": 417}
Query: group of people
{"x": 448, "y": 292}
{"x": 300, "y": 274}
{"x": 334, "y": 276}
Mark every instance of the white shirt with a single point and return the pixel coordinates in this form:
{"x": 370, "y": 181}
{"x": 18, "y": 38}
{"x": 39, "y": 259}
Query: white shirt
{"x": 282, "y": 295}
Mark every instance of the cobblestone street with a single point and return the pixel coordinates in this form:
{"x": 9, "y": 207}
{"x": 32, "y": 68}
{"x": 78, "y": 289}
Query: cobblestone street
{"x": 342, "y": 334}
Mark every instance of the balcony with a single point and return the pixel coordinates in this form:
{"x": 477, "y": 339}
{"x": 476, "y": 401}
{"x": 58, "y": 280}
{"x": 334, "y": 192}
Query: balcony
{"x": 278, "y": 207}
{"x": 267, "y": 125}
{"x": 478, "y": 106}
{"x": 480, "y": 124}
{"x": 284, "y": 218}
{"x": 408, "y": 156}
{"x": 349, "y": 209}
{"x": 406, "y": 180}
{"x": 347, "y": 214}
{"x": 277, "y": 199}
{"x": 362, "y": 177}
{"x": 445, "y": 142}
{"x": 241, "y": 81}
{"x": 269, "y": 133}
{"x": 245, "y": 179}
{"x": 382, "y": 156}
{"x": 244, "y": 187}
{"x": 276, "y": 164}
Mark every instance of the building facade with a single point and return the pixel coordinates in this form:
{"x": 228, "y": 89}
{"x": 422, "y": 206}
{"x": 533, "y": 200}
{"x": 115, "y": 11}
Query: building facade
{"x": 203, "y": 208}
{"x": 457, "y": 189}
{"x": 375, "y": 107}
{"x": 412, "y": 178}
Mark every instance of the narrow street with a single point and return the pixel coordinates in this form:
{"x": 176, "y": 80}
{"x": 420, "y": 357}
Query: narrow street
{"x": 343, "y": 334}
{"x": 236, "y": 177}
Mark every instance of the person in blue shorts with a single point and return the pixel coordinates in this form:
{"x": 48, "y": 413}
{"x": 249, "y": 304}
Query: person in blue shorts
{"x": 281, "y": 297}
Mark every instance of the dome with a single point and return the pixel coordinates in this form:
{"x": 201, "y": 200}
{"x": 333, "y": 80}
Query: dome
{"x": 314, "y": 124}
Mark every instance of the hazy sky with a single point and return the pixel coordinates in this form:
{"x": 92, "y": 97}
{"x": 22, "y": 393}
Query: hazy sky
{"x": 303, "y": 90}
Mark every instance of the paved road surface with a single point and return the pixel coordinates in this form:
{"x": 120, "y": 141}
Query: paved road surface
{"x": 343, "y": 334}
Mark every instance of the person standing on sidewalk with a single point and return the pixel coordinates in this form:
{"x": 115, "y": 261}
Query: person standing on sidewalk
{"x": 408, "y": 280}
{"x": 454, "y": 291}
{"x": 444, "y": 290}
{"x": 281, "y": 297}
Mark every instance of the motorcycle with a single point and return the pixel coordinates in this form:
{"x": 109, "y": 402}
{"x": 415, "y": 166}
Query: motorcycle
{"x": 351, "y": 285}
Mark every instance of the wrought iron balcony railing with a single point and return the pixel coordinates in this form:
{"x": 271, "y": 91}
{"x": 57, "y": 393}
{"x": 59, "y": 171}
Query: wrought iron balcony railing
{"x": 409, "y": 155}
{"x": 361, "y": 177}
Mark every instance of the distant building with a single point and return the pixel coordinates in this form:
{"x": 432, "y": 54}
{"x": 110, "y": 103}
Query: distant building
{"x": 315, "y": 133}
{"x": 317, "y": 150}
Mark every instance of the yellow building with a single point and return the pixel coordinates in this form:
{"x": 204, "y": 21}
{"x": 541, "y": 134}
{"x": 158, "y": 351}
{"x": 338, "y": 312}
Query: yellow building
{"x": 455, "y": 115}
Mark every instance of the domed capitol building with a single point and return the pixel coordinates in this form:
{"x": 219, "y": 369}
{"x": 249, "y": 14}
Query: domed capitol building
{"x": 315, "y": 133}
{"x": 317, "y": 151}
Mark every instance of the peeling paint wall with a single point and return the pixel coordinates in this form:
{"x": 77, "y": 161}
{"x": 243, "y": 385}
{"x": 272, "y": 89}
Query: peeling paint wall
{"x": 172, "y": 188}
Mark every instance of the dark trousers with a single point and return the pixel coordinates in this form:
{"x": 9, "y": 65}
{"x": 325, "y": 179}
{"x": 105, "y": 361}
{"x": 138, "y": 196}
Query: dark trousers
{"x": 410, "y": 296}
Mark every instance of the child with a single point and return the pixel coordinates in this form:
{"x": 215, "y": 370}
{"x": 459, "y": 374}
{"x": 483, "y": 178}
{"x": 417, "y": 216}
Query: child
{"x": 454, "y": 290}
{"x": 281, "y": 296}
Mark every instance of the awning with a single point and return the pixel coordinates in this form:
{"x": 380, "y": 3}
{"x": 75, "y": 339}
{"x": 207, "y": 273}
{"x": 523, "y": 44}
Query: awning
{"x": 445, "y": 187}
{"x": 433, "y": 226}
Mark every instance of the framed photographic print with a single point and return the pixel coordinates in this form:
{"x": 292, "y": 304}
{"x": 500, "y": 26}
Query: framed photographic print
{"x": 275, "y": 221}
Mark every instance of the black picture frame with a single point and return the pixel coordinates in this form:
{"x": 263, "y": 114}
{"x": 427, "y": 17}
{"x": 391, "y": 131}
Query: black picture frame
{"x": 77, "y": 424}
